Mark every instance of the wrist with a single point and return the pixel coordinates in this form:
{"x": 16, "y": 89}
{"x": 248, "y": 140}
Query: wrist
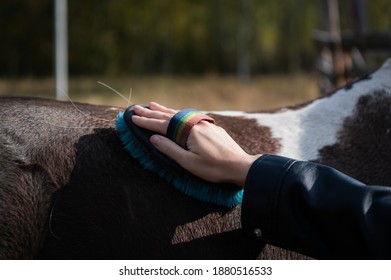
{"x": 241, "y": 169}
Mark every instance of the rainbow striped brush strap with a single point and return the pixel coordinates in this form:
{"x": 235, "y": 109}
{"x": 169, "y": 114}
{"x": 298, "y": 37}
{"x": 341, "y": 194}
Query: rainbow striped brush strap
{"x": 181, "y": 124}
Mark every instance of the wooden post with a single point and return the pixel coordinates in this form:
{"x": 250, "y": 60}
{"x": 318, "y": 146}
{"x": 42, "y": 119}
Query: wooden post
{"x": 335, "y": 34}
{"x": 358, "y": 8}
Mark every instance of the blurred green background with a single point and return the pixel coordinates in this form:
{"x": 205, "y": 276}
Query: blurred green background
{"x": 179, "y": 52}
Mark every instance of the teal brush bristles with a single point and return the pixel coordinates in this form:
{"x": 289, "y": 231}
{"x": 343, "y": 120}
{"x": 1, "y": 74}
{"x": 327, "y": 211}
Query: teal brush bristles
{"x": 185, "y": 182}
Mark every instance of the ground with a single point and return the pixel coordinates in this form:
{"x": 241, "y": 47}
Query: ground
{"x": 205, "y": 93}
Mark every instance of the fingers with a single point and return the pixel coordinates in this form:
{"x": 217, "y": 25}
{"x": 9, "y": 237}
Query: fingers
{"x": 156, "y": 118}
{"x": 156, "y": 125}
{"x": 152, "y": 114}
{"x": 170, "y": 148}
{"x": 157, "y": 107}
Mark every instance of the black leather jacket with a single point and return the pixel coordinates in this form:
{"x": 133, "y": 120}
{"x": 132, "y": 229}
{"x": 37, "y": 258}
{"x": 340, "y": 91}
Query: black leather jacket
{"x": 316, "y": 210}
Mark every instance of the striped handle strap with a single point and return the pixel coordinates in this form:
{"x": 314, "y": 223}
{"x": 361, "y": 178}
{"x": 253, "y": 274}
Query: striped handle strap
{"x": 181, "y": 124}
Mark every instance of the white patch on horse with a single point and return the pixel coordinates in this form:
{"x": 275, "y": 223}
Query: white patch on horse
{"x": 303, "y": 132}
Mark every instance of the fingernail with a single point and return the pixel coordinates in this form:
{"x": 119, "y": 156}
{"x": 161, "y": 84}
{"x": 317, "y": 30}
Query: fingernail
{"x": 156, "y": 139}
{"x": 138, "y": 107}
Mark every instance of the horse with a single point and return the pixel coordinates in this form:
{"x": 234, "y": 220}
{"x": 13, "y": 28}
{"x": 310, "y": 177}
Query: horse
{"x": 69, "y": 190}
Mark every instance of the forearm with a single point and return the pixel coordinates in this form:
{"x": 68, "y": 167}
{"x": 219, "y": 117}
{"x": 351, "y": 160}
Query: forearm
{"x": 316, "y": 210}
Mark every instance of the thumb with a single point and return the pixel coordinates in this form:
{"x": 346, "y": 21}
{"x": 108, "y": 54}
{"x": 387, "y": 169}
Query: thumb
{"x": 168, "y": 147}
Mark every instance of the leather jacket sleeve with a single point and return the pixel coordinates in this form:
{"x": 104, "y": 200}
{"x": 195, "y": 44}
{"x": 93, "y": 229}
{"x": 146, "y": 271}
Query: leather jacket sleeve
{"x": 316, "y": 210}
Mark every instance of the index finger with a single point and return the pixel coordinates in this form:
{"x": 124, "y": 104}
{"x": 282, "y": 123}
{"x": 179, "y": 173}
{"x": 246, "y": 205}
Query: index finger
{"x": 156, "y": 125}
{"x": 152, "y": 114}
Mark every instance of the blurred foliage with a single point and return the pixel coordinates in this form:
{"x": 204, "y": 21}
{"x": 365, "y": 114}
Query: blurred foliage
{"x": 166, "y": 36}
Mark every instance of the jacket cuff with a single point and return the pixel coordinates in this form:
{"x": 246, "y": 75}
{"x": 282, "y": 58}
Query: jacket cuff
{"x": 261, "y": 195}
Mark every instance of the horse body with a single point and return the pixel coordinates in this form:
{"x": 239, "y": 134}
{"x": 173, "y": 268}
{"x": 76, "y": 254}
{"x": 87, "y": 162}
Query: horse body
{"x": 69, "y": 190}
{"x": 349, "y": 129}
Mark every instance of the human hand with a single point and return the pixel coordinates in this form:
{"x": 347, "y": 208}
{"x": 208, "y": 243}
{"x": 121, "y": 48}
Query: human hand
{"x": 212, "y": 154}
